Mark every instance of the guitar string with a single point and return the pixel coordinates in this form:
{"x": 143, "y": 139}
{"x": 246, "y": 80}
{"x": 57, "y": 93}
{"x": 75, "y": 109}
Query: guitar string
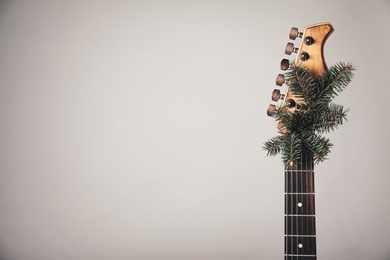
{"x": 304, "y": 166}
{"x": 287, "y": 209}
{"x": 299, "y": 200}
{"x": 300, "y": 210}
{"x": 307, "y": 206}
{"x": 308, "y": 179}
{"x": 310, "y": 184}
{"x": 286, "y": 183}
{"x": 294, "y": 189}
{"x": 287, "y": 187}
{"x": 294, "y": 230}
{"x": 289, "y": 206}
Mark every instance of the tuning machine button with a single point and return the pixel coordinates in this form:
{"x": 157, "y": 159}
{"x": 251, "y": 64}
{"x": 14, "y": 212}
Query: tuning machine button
{"x": 284, "y": 64}
{"x": 290, "y": 48}
{"x": 271, "y": 110}
{"x": 276, "y": 95}
{"x": 294, "y": 33}
{"x": 280, "y": 79}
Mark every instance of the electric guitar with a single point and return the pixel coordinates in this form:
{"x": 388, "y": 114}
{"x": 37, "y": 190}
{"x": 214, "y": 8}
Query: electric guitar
{"x": 300, "y": 224}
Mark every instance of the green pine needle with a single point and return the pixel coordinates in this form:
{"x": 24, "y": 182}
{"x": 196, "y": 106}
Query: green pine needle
{"x": 316, "y": 115}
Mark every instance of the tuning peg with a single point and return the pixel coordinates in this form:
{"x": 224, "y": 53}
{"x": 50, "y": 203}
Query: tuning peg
{"x": 294, "y": 33}
{"x": 271, "y": 110}
{"x": 280, "y": 79}
{"x": 290, "y": 48}
{"x": 284, "y": 64}
{"x": 276, "y": 95}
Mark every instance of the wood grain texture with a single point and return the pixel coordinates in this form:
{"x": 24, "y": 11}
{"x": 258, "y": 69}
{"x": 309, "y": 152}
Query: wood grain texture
{"x": 316, "y": 62}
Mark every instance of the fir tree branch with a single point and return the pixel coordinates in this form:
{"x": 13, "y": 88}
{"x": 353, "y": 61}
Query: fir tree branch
{"x": 300, "y": 80}
{"x": 315, "y": 115}
{"x": 327, "y": 119}
{"x": 291, "y": 150}
{"x": 274, "y": 145}
{"x": 318, "y": 146}
{"x": 335, "y": 80}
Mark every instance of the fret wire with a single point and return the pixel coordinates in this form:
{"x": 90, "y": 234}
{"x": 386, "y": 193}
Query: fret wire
{"x": 298, "y": 215}
{"x": 298, "y": 171}
{"x": 300, "y": 235}
{"x": 304, "y": 193}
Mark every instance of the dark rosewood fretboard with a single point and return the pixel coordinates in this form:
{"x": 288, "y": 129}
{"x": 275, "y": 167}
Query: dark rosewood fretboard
{"x": 300, "y": 225}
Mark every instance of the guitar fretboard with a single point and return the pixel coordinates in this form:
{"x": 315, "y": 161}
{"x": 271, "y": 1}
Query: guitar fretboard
{"x": 300, "y": 226}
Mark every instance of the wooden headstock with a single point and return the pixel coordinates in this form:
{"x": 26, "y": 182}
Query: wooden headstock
{"x": 310, "y": 54}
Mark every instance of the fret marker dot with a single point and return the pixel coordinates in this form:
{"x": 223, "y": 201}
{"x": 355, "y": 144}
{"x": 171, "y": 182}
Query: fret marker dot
{"x": 299, "y": 204}
{"x": 300, "y": 245}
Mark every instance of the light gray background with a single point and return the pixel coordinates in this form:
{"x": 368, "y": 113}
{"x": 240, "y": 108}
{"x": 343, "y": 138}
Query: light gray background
{"x": 133, "y": 130}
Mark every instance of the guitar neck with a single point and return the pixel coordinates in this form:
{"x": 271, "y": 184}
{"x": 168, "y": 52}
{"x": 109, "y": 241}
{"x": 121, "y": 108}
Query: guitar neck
{"x": 300, "y": 225}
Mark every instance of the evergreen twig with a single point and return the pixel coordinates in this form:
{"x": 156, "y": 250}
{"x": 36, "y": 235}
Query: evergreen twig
{"x": 316, "y": 115}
